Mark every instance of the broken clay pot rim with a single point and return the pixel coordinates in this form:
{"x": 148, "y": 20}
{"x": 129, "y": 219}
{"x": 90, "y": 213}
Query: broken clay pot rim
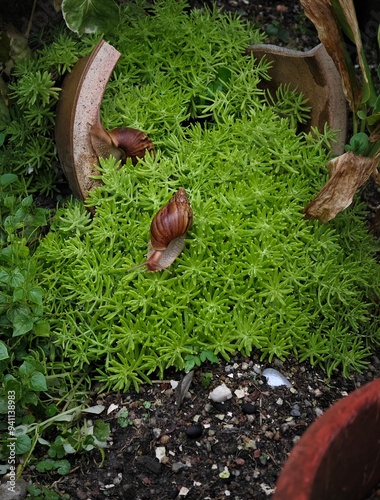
{"x": 338, "y": 457}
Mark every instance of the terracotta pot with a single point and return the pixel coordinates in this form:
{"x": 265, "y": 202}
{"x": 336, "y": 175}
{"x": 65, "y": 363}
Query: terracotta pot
{"x": 338, "y": 457}
{"x": 78, "y": 109}
{"x": 314, "y": 74}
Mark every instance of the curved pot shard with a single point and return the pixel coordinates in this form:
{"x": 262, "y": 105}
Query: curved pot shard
{"x": 314, "y": 74}
{"x": 338, "y": 457}
{"x": 78, "y": 109}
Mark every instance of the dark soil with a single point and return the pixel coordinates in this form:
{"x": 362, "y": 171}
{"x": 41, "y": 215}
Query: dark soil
{"x": 247, "y": 438}
{"x": 212, "y": 451}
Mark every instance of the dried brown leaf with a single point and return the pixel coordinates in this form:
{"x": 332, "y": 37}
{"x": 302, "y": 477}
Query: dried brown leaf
{"x": 347, "y": 173}
{"x": 183, "y": 388}
{"x": 321, "y": 14}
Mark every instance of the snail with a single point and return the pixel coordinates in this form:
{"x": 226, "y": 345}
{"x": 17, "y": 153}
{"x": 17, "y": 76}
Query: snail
{"x": 122, "y": 142}
{"x": 167, "y": 232}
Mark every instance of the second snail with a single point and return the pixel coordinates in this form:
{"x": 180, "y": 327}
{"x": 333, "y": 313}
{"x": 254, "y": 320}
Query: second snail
{"x": 121, "y": 142}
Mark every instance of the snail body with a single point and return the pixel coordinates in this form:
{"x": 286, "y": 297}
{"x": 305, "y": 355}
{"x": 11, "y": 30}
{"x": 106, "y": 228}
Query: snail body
{"x": 168, "y": 231}
{"x": 121, "y": 142}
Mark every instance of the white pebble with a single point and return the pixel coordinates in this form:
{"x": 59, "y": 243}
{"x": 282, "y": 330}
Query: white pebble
{"x": 220, "y": 394}
{"x": 160, "y": 453}
{"x": 275, "y": 378}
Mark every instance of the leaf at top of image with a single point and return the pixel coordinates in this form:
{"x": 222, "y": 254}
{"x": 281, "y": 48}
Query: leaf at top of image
{"x": 90, "y": 16}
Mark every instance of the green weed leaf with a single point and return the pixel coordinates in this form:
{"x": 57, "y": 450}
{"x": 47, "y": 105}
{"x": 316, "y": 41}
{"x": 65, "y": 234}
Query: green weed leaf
{"x": 359, "y": 144}
{"x": 7, "y": 179}
{"x": 23, "y": 444}
{"x": 3, "y": 351}
{"x": 22, "y": 319}
{"x": 90, "y": 16}
{"x": 35, "y": 295}
{"x": 63, "y": 467}
{"x": 38, "y": 382}
{"x": 102, "y": 430}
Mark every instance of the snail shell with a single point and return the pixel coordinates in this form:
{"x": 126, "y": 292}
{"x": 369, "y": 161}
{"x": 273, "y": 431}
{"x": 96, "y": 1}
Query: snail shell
{"x": 122, "y": 142}
{"x": 167, "y": 232}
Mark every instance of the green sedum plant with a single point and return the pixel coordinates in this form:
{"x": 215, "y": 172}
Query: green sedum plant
{"x": 254, "y": 274}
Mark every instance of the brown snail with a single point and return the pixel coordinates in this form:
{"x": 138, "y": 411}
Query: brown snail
{"x": 167, "y": 232}
{"x": 122, "y": 142}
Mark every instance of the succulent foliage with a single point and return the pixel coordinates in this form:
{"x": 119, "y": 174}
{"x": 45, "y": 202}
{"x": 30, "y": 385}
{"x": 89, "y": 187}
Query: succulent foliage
{"x": 254, "y": 274}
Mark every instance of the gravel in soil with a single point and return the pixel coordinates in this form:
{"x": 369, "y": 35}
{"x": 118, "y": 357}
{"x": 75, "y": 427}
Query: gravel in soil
{"x": 206, "y": 449}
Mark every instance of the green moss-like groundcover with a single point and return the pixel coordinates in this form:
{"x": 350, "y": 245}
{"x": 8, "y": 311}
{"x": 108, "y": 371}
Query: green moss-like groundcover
{"x": 254, "y": 274}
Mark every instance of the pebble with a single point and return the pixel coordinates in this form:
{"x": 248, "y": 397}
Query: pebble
{"x": 160, "y": 453}
{"x": 117, "y": 480}
{"x": 164, "y": 439}
{"x": 257, "y": 369}
{"x": 177, "y": 466}
{"x": 225, "y": 474}
{"x": 220, "y": 394}
{"x": 194, "y": 431}
{"x": 275, "y": 378}
{"x": 248, "y": 408}
{"x": 156, "y": 432}
{"x": 295, "y": 411}
{"x": 318, "y": 412}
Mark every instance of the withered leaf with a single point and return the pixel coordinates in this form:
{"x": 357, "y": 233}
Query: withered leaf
{"x": 183, "y": 388}
{"x": 321, "y": 14}
{"x": 347, "y": 173}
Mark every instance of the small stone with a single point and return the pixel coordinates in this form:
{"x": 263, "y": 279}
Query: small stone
{"x": 248, "y": 408}
{"x": 225, "y": 474}
{"x": 194, "y": 431}
{"x": 239, "y": 461}
{"x": 295, "y": 411}
{"x": 240, "y": 393}
{"x": 117, "y": 480}
{"x": 183, "y": 491}
{"x": 318, "y": 412}
{"x": 220, "y": 394}
{"x": 156, "y": 432}
{"x": 275, "y": 378}
{"x": 177, "y": 466}
{"x": 164, "y": 439}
